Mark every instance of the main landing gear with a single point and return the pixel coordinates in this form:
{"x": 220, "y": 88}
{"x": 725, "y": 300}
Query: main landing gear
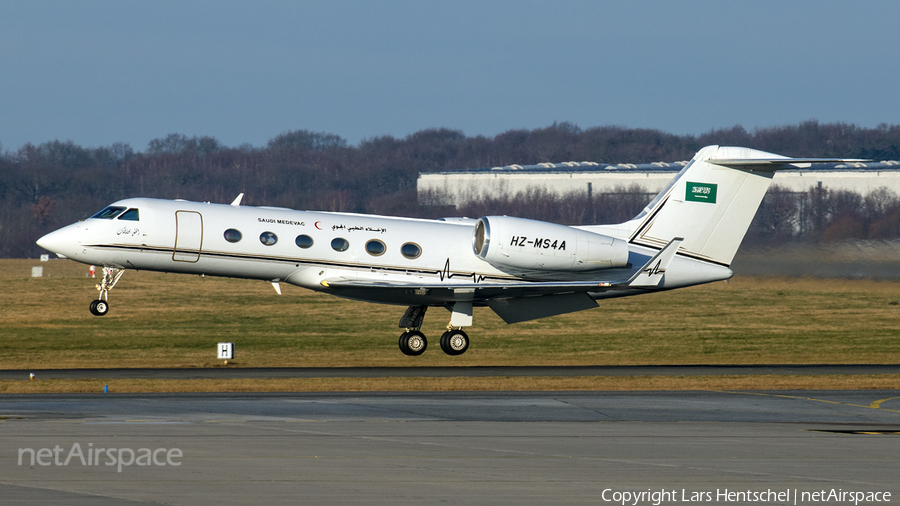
{"x": 454, "y": 342}
{"x": 413, "y": 341}
{"x": 111, "y": 276}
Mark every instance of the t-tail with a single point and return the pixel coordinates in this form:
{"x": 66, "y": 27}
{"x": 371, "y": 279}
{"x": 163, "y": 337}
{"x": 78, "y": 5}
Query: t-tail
{"x": 712, "y": 201}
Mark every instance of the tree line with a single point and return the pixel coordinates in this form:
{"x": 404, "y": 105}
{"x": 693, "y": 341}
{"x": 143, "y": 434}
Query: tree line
{"x": 46, "y": 186}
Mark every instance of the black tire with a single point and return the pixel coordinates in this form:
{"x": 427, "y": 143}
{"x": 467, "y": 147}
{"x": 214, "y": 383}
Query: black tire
{"x": 454, "y": 342}
{"x": 413, "y": 343}
{"x": 99, "y": 307}
{"x": 403, "y": 343}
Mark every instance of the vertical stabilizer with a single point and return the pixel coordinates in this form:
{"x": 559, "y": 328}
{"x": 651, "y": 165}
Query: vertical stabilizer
{"x": 710, "y": 204}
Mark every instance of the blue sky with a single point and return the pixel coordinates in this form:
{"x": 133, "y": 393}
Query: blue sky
{"x": 99, "y": 72}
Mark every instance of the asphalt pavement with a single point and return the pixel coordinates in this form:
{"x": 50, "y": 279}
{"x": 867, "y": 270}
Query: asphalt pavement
{"x": 522, "y": 448}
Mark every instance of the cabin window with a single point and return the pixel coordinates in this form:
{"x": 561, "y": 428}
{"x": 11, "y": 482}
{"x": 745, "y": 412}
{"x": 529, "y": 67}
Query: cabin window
{"x": 304, "y": 241}
{"x": 232, "y": 235}
{"x": 411, "y": 250}
{"x": 340, "y": 244}
{"x": 109, "y": 213}
{"x": 375, "y": 248}
{"x": 268, "y": 238}
{"x": 131, "y": 215}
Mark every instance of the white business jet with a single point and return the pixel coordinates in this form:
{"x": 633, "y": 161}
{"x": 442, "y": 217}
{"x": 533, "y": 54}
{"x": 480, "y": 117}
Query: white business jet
{"x": 522, "y": 269}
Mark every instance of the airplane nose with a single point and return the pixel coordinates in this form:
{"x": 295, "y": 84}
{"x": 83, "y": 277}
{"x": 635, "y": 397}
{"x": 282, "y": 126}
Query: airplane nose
{"x": 60, "y": 241}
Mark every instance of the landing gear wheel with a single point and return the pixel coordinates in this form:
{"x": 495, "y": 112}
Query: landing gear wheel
{"x": 99, "y": 307}
{"x": 413, "y": 343}
{"x": 454, "y": 342}
{"x": 403, "y": 343}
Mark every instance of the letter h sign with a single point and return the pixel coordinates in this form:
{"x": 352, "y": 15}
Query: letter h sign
{"x": 226, "y": 351}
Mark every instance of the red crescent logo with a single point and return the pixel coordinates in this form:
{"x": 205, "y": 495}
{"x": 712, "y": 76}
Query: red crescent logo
{"x": 316, "y": 224}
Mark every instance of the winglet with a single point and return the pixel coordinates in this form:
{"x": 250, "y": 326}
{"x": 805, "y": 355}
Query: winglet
{"x": 651, "y": 274}
{"x": 237, "y": 201}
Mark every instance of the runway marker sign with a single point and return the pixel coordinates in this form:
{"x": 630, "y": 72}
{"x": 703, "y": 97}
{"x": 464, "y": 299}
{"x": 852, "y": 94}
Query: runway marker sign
{"x": 226, "y": 351}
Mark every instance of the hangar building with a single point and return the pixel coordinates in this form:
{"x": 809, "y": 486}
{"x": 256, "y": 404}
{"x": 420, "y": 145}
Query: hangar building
{"x": 456, "y": 187}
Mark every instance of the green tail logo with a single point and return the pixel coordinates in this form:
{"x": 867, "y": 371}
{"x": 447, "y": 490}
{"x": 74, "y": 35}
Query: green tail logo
{"x": 700, "y": 192}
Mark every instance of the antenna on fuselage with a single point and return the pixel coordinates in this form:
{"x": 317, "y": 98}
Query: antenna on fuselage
{"x": 237, "y": 200}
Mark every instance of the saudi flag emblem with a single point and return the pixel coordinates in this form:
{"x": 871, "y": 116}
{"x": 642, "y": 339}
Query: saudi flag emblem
{"x": 700, "y": 192}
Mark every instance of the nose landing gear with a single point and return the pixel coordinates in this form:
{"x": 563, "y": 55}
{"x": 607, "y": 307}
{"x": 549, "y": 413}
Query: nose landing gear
{"x": 99, "y": 307}
{"x": 111, "y": 276}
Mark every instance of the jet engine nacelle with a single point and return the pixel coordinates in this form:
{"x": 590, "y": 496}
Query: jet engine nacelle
{"x": 520, "y": 245}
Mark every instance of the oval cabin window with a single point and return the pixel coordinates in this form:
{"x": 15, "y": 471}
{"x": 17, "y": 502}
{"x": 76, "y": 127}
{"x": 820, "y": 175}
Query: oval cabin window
{"x": 268, "y": 238}
{"x": 232, "y": 235}
{"x": 411, "y": 250}
{"x": 375, "y": 248}
{"x": 340, "y": 244}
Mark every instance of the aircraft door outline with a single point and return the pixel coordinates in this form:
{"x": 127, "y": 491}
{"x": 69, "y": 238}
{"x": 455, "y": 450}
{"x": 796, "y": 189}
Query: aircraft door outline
{"x": 188, "y": 236}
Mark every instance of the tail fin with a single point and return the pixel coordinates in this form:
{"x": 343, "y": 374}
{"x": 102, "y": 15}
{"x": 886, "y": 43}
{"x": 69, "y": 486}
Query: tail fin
{"x": 712, "y": 201}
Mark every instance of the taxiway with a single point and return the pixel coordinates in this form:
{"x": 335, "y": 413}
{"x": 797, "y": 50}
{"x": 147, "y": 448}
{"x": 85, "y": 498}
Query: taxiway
{"x": 438, "y": 448}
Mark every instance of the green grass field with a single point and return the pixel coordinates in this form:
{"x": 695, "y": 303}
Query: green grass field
{"x": 171, "y": 320}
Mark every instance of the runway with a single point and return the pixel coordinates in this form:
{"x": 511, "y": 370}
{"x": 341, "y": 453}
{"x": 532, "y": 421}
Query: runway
{"x": 450, "y": 448}
{"x": 443, "y": 372}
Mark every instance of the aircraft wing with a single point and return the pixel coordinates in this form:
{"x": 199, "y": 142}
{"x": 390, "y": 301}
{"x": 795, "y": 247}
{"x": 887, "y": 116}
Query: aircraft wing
{"x": 477, "y": 292}
{"x": 513, "y": 301}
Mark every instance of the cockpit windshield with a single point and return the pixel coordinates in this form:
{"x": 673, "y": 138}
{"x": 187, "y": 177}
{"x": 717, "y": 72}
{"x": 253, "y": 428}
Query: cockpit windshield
{"x": 130, "y": 215}
{"x": 109, "y": 213}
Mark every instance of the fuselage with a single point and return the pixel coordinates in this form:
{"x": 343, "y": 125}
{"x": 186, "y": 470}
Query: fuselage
{"x": 276, "y": 244}
{"x": 303, "y": 248}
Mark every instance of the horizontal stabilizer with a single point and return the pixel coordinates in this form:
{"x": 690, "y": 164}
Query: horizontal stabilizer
{"x": 779, "y": 163}
{"x": 653, "y": 271}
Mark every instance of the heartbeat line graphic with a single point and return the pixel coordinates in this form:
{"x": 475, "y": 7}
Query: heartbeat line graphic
{"x": 446, "y": 274}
